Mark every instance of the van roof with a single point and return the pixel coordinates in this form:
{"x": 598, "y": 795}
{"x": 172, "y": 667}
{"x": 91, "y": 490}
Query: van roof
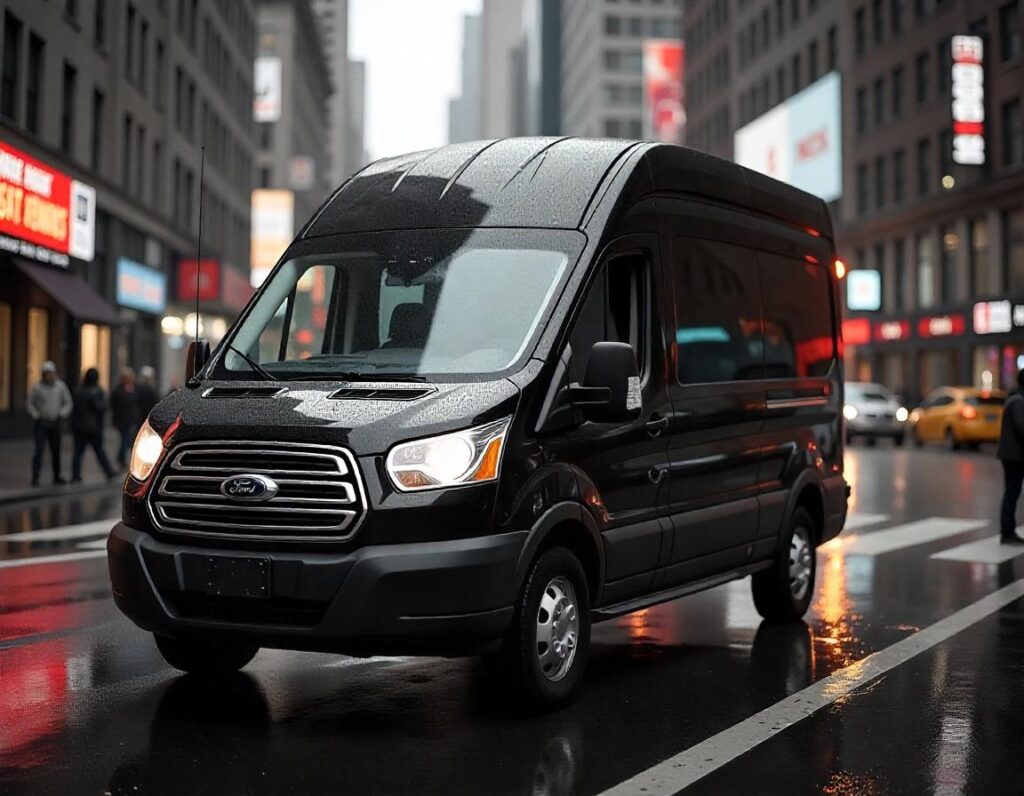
{"x": 545, "y": 183}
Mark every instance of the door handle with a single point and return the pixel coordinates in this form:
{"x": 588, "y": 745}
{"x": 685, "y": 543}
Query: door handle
{"x": 656, "y": 425}
{"x": 656, "y": 474}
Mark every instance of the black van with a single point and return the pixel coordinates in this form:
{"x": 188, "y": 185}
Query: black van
{"x": 491, "y": 394}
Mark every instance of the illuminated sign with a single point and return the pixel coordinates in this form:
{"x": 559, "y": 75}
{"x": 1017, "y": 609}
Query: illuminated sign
{"x": 892, "y": 331}
{"x": 864, "y": 290}
{"x": 1018, "y": 315}
{"x": 856, "y": 331}
{"x": 266, "y": 86}
{"x": 799, "y": 141}
{"x": 140, "y": 287}
{"x": 993, "y": 317}
{"x": 664, "y": 117}
{"x": 941, "y": 326}
{"x": 273, "y": 225}
{"x": 44, "y": 214}
{"x": 968, "y": 101}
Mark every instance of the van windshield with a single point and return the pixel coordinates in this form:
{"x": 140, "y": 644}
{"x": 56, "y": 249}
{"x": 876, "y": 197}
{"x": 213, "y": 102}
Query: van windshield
{"x": 414, "y": 304}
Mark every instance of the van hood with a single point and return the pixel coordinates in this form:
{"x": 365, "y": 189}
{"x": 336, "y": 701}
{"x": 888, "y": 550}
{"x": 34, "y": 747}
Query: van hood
{"x": 315, "y": 412}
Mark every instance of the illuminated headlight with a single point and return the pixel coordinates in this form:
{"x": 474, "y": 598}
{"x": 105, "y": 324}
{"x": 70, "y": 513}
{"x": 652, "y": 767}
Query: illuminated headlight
{"x": 466, "y": 457}
{"x": 902, "y": 415}
{"x": 850, "y": 412}
{"x": 146, "y": 452}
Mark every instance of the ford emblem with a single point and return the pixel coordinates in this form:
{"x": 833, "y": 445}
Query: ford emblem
{"x": 248, "y": 488}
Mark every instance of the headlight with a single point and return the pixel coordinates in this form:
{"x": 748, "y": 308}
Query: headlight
{"x": 146, "y": 452}
{"x": 850, "y": 412}
{"x": 902, "y": 414}
{"x": 466, "y": 457}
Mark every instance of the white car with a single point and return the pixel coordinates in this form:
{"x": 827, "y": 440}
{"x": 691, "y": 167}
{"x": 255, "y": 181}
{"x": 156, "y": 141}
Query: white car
{"x": 872, "y": 411}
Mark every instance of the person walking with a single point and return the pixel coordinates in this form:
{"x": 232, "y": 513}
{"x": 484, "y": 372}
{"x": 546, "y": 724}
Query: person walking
{"x": 87, "y": 424}
{"x": 1011, "y": 453}
{"x": 146, "y": 396}
{"x": 49, "y": 403}
{"x": 124, "y": 414}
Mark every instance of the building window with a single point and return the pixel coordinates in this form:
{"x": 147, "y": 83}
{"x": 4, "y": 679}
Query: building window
{"x": 978, "y": 230}
{"x": 140, "y": 159}
{"x": 812, "y": 61}
{"x": 878, "y": 99}
{"x": 859, "y": 31}
{"x": 126, "y": 151}
{"x": 612, "y": 25}
{"x": 794, "y": 8}
{"x": 99, "y": 35}
{"x": 861, "y": 109}
{"x": 947, "y": 265}
{"x": 898, "y": 175}
{"x": 945, "y": 152}
{"x": 924, "y": 166}
{"x": 896, "y": 8}
{"x": 780, "y": 17}
{"x": 943, "y": 66}
{"x": 129, "y": 43}
{"x": 11, "y": 66}
{"x": 925, "y": 271}
{"x": 71, "y": 9}
{"x": 1013, "y": 250}
{"x": 921, "y": 77}
{"x": 923, "y": 8}
{"x": 156, "y": 174}
{"x": 34, "y": 87}
{"x": 96, "y": 134}
{"x": 158, "y": 87}
{"x": 795, "y": 77}
{"x": 899, "y": 262}
{"x": 1010, "y": 45}
{"x": 1013, "y": 134}
{"x": 766, "y": 29}
{"x": 862, "y": 190}
{"x": 780, "y": 83}
{"x": 879, "y": 182}
{"x": 832, "y": 40}
{"x": 144, "y": 56}
{"x": 877, "y": 22}
{"x": 67, "y": 108}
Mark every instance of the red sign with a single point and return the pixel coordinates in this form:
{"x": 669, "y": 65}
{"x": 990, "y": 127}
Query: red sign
{"x": 208, "y": 282}
{"x": 44, "y": 206}
{"x": 664, "y": 64}
{"x": 941, "y": 326}
{"x": 856, "y": 331}
{"x": 891, "y": 331}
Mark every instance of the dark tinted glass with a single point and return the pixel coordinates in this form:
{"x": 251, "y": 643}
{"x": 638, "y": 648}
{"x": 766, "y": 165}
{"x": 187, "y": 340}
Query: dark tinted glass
{"x": 718, "y": 317}
{"x": 798, "y": 327}
{"x": 987, "y": 400}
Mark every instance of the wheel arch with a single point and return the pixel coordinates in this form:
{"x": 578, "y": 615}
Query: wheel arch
{"x": 570, "y": 525}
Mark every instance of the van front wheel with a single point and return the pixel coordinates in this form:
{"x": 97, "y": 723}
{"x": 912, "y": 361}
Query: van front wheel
{"x": 783, "y": 592}
{"x": 545, "y": 651}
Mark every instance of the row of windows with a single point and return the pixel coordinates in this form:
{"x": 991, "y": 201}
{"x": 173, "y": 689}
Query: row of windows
{"x": 623, "y": 128}
{"x": 873, "y": 180}
{"x": 710, "y": 79}
{"x": 623, "y": 94}
{"x": 654, "y": 27}
{"x": 871, "y": 110}
{"x": 755, "y": 39}
{"x": 788, "y": 79}
{"x": 713, "y": 131}
{"x": 700, "y": 31}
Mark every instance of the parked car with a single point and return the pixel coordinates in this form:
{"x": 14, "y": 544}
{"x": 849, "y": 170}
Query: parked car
{"x": 491, "y": 394}
{"x": 958, "y": 416}
{"x": 871, "y": 411}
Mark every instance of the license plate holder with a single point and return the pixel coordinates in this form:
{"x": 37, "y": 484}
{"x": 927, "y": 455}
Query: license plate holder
{"x": 226, "y": 576}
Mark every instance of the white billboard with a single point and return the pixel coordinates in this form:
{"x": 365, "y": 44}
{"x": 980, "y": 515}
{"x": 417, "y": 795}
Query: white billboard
{"x": 266, "y": 86}
{"x": 799, "y": 141}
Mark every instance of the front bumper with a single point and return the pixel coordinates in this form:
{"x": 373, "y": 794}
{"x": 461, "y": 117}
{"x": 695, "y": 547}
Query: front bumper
{"x": 428, "y": 598}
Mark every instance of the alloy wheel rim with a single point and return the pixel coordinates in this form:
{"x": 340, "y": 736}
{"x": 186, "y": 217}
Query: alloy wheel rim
{"x": 558, "y": 629}
{"x": 801, "y": 562}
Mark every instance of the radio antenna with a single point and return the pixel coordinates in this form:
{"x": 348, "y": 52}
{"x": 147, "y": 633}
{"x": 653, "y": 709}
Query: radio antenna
{"x": 199, "y": 239}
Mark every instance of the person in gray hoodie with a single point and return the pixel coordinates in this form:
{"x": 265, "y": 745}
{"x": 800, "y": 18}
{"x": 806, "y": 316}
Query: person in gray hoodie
{"x": 49, "y": 402}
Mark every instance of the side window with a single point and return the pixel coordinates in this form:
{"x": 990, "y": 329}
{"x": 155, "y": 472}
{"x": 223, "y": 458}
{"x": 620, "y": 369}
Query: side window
{"x": 943, "y": 400}
{"x": 718, "y": 312}
{"x": 616, "y": 311}
{"x": 301, "y": 318}
{"x": 798, "y": 318}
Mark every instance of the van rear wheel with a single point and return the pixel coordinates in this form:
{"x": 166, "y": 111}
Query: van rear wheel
{"x": 544, "y": 653}
{"x": 205, "y": 657}
{"x": 783, "y": 592}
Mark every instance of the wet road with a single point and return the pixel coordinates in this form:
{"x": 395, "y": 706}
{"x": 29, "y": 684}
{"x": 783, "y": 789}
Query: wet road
{"x": 696, "y": 692}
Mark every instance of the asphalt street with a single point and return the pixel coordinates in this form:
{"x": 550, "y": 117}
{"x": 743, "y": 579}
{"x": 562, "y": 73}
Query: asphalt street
{"x": 907, "y": 677}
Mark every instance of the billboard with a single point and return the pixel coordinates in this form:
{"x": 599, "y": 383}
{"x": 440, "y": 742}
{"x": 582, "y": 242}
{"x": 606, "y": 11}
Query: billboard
{"x": 799, "y": 141}
{"x": 44, "y": 214}
{"x": 273, "y": 219}
{"x": 664, "y": 78}
{"x": 266, "y": 87}
{"x": 863, "y": 290}
{"x": 968, "y": 81}
{"x": 140, "y": 287}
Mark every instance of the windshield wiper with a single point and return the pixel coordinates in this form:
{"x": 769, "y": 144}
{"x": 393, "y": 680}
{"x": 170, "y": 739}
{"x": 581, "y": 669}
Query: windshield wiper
{"x": 267, "y": 376}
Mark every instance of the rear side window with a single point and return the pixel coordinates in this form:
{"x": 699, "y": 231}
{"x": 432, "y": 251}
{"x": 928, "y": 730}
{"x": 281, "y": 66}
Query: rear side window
{"x": 798, "y": 326}
{"x": 717, "y": 313}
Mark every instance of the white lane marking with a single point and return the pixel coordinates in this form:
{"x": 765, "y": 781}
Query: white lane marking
{"x": 690, "y": 765}
{"x": 901, "y": 536}
{"x": 63, "y": 532}
{"x": 93, "y": 544}
{"x": 855, "y": 521}
{"x": 986, "y": 551}
{"x": 58, "y": 559}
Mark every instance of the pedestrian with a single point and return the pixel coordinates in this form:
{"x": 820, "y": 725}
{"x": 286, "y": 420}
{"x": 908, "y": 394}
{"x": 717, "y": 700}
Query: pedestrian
{"x": 87, "y": 424}
{"x": 124, "y": 414}
{"x": 146, "y": 396}
{"x": 1011, "y": 453}
{"x": 49, "y": 403}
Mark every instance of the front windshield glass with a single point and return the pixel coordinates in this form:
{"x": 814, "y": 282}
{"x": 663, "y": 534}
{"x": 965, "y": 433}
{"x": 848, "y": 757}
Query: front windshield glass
{"x": 414, "y": 304}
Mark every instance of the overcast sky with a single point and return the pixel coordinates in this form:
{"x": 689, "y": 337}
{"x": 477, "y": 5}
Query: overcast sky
{"x": 412, "y": 50}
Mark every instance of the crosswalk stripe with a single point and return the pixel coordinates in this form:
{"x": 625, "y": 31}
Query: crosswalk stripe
{"x": 985, "y": 551}
{"x": 57, "y": 559}
{"x": 81, "y": 531}
{"x": 856, "y": 521}
{"x": 902, "y": 536}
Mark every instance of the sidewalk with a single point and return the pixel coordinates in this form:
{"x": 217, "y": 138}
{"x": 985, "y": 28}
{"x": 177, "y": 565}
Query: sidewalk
{"x": 16, "y": 470}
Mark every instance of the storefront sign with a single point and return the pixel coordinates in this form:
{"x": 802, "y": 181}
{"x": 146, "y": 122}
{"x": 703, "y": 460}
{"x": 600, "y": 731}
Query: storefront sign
{"x": 856, "y": 331}
{"x": 207, "y": 285}
{"x": 864, "y": 290}
{"x": 140, "y": 287}
{"x": 892, "y": 331}
{"x": 993, "y": 317}
{"x": 968, "y": 101}
{"x": 44, "y": 214}
{"x": 941, "y": 326}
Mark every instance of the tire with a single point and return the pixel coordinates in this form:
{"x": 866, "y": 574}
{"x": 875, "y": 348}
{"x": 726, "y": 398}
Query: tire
{"x": 778, "y": 595}
{"x": 951, "y": 443}
{"x": 539, "y": 674}
{"x": 915, "y": 437}
{"x": 199, "y": 656}
{"x": 899, "y": 439}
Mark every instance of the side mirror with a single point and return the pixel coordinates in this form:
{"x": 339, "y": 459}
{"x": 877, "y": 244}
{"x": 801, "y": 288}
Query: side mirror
{"x": 198, "y": 356}
{"x": 610, "y": 392}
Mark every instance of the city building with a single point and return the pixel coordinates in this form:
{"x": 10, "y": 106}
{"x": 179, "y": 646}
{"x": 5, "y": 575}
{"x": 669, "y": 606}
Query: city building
{"x": 357, "y": 155}
{"x": 465, "y": 112}
{"x": 501, "y": 24}
{"x": 103, "y": 109}
{"x": 602, "y": 62}
{"x": 928, "y": 189}
{"x": 540, "y": 69}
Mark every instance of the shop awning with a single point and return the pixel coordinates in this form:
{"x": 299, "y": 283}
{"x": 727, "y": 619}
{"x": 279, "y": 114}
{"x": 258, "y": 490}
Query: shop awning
{"x": 72, "y": 293}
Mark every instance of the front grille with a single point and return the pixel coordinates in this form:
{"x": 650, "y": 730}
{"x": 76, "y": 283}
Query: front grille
{"x": 319, "y": 497}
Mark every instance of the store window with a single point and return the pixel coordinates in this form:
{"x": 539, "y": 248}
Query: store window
{"x": 947, "y": 265}
{"x": 38, "y": 343}
{"x": 94, "y": 351}
{"x": 5, "y": 357}
{"x": 980, "y": 282}
{"x": 925, "y": 271}
{"x": 1013, "y": 248}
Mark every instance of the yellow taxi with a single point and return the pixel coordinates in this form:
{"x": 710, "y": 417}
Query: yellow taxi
{"x": 957, "y": 417}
